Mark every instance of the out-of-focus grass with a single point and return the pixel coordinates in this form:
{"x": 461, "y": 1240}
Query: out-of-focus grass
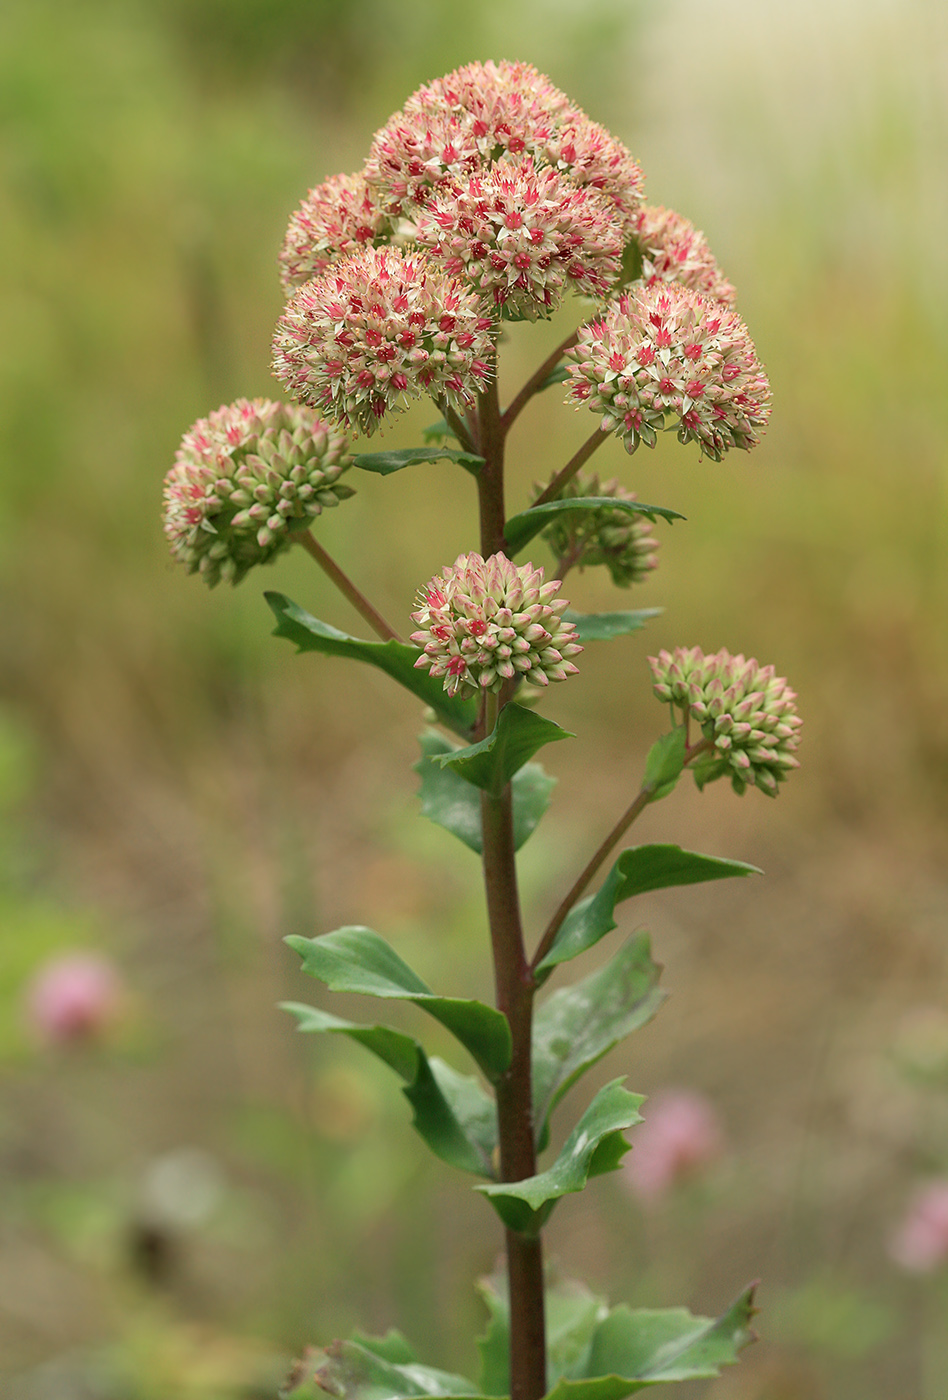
{"x": 204, "y": 792}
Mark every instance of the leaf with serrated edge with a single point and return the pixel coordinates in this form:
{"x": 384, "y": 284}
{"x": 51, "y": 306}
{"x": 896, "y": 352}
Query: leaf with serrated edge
{"x": 595, "y": 1145}
{"x": 396, "y": 659}
{"x": 452, "y": 1113}
{"x": 572, "y": 1315}
{"x": 357, "y": 959}
{"x": 521, "y": 529}
{"x": 353, "y": 1372}
{"x": 637, "y": 870}
{"x": 576, "y": 1026}
{"x": 455, "y": 804}
{"x": 516, "y": 737}
{"x": 602, "y": 627}
{"x": 634, "y": 1349}
{"x": 384, "y": 463}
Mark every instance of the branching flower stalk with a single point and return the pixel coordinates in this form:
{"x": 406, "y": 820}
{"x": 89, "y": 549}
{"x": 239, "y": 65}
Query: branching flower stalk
{"x": 489, "y": 197}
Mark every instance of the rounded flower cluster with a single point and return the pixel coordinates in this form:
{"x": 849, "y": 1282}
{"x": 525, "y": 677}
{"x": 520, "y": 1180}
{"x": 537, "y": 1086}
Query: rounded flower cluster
{"x": 744, "y": 709}
{"x": 486, "y": 621}
{"x": 521, "y": 237}
{"x": 663, "y": 351}
{"x": 673, "y": 250}
{"x": 621, "y": 541}
{"x": 592, "y": 157}
{"x": 376, "y": 328}
{"x": 335, "y": 219}
{"x": 458, "y": 124}
{"x": 244, "y": 479}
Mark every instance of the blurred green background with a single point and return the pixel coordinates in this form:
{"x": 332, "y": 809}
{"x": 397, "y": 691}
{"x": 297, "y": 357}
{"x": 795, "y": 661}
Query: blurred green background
{"x": 190, "y": 1200}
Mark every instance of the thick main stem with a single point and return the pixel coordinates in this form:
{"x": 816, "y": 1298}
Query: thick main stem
{"x": 513, "y": 980}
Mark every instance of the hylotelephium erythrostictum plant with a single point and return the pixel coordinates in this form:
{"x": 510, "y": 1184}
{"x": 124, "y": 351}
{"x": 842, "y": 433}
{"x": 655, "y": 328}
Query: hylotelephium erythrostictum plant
{"x": 489, "y": 198}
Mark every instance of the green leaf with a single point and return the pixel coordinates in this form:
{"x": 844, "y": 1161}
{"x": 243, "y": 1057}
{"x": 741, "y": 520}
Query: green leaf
{"x": 516, "y": 737}
{"x": 392, "y": 1347}
{"x": 387, "y": 462}
{"x": 666, "y": 758}
{"x": 572, "y": 1315}
{"x": 521, "y": 529}
{"x": 396, "y": 659}
{"x": 634, "y": 1349}
{"x": 456, "y": 805}
{"x": 596, "y": 1145}
{"x": 575, "y": 1027}
{"x": 437, "y": 432}
{"x": 452, "y": 1113}
{"x": 356, "y": 959}
{"x": 351, "y": 1371}
{"x": 637, "y": 870}
{"x": 602, "y": 627}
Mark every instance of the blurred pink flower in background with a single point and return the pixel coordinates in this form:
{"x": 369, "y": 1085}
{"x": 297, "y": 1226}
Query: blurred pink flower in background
{"x": 681, "y": 1135}
{"x": 920, "y": 1243}
{"x": 73, "y": 997}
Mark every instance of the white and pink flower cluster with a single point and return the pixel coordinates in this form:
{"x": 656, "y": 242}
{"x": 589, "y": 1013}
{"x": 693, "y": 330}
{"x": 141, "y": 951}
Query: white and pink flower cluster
{"x": 244, "y": 479}
{"x": 746, "y": 711}
{"x": 486, "y": 621}
{"x": 665, "y": 352}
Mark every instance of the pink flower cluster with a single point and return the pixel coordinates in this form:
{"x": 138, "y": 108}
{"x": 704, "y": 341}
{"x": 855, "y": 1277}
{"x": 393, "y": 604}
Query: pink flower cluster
{"x": 486, "y": 621}
{"x": 673, "y": 250}
{"x": 335, "y": 219}
{"x": 664, "y": 352}
{"x": 376, "y": 328}
{"x": 73, "y": 997}
{"x": 521, "y": 237}
{"x": 920, "y": 1244}
{"x": 679, "y": 1138}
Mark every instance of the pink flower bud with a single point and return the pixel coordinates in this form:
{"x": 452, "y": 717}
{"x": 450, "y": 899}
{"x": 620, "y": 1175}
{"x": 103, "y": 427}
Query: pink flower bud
{"x": 680, "y": 1137}
{"x": 920, "y": 1242}
{"x": 73, "y": 997}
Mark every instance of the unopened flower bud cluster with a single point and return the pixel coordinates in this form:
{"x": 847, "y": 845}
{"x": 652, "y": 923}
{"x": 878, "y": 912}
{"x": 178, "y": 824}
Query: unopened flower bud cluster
{"x": 621, "y": 541}
{"x": 746, "y": 710}
{"x": 244, "y": 479}
{"x": 664, "y": 352}
{"x": 486, "y": 621}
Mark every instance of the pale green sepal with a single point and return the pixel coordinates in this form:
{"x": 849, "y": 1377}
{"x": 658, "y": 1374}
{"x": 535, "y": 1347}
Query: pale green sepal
{"x": 632, "y": 1349}
{"x": 350, "y": 1371}
{"x": 455, "y": 804}
{"x": 387, "y": 462}
{"x": 602, "y": 627}
{"x": 576, "y": 1026}
{"x": 515, "y": 738}
{"x": 396, "y": 659}
{"x": 521, "y": 529}
{"x": 666, "y": 758}
{"x": 357, "y": 959}
{"x": 639, "y": 869}
{"x": 452, "y": 1113}
{"x": 596, "y": 1145}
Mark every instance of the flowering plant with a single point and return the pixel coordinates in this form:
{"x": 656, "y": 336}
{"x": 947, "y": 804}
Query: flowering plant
{"x": 489, "y": 197}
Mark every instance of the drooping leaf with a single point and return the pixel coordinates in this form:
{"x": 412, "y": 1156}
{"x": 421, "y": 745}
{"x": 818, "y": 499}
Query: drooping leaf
{"x": 632, "y": 1349}
{"x": 639, "y": 869}
{"x": 602, "y": 627}
{"x": 596, "y": 1145}
{"x": 351, "y": 1371}
{"x": 572, "y": 1315}
{"x": 452, "y": 1113}
{"x": 357, "y": 959}
{"x": 387, "y": 462}
{"x": 576, "y": 1026}
{"x": 516, "y": 737}
{"x": 438, "y": 432}
{"x": 666, "y": 758}
{"x": 521, "y": 529}
{"x": 456, "y": 805}
{"x": 396, "y": 659}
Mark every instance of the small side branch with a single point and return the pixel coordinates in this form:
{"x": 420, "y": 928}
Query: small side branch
{"x": 533, "y": 384}
{"x": 345, "y": 585}
{"x": 578, "y": 460}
